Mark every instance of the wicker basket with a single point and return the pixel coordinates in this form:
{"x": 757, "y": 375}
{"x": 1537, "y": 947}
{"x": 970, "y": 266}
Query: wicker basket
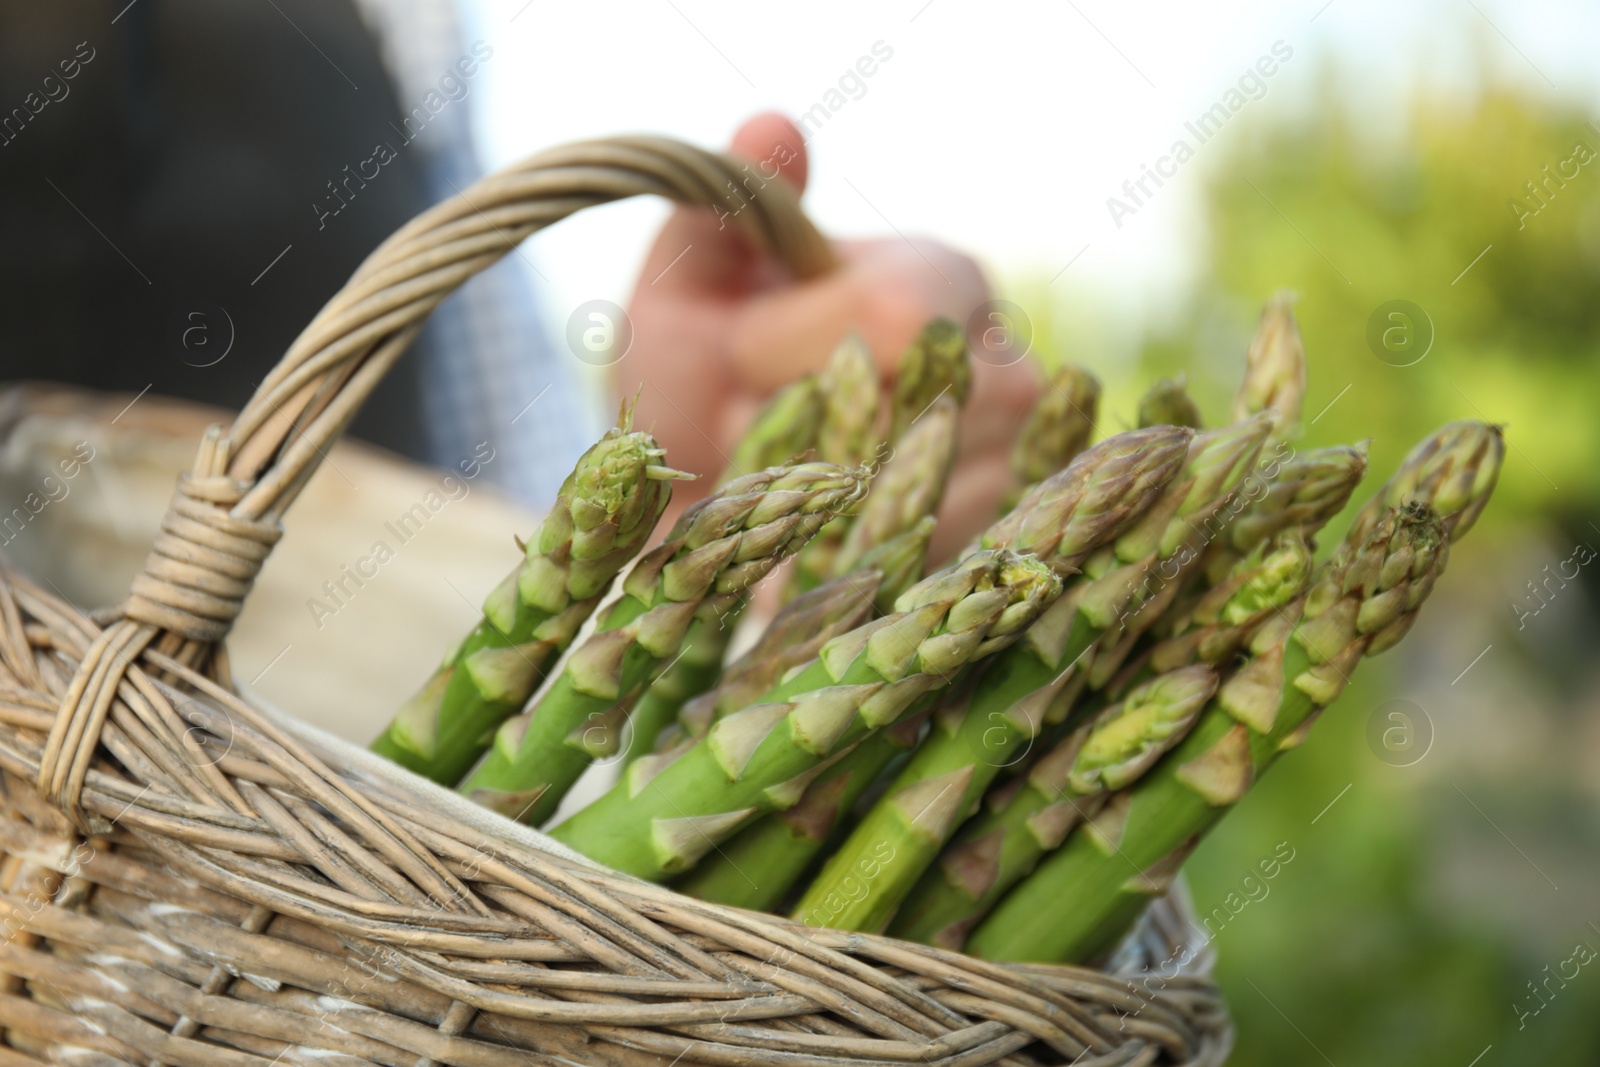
{"x": 192, "y": 879}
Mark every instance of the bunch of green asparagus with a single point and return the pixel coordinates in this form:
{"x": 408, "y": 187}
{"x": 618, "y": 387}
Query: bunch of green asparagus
{"x": 1009, "y": 752}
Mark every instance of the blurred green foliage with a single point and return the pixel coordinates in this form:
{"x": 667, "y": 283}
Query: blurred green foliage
{"x": 1363, "y": 952}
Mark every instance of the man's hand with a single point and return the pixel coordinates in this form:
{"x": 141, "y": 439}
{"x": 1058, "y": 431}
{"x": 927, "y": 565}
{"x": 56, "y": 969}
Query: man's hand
{"x": 718, "y": 327}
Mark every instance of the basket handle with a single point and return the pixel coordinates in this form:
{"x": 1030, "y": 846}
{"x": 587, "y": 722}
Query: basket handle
{"x": 225, "y": 514}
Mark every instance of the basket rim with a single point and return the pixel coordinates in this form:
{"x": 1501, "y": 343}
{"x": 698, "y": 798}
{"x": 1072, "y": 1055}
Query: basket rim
{"x": 1196, "y": 956}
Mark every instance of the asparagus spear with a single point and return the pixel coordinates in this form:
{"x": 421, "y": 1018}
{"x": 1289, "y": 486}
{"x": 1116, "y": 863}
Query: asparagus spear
{"x": 1275, "y": 368}
{"x": 792, "y": 638}
{"x": 783, "y": 430}
{"x": 802, "y": 626}
{"x": 852, "y": 394}
{"x": 961, "y": 759}
{"x": 1096, "y": 497}
{"x": 1081, "y": 899}
{"x": 999, "y": 847}
{"x": 761, "y": 863}
{"x": 1301, "y": 494}
{"x": 761, "y": 759}
{"x": 935, "y": 364}
{"x": 1167, "y": 403}
{"x": 787, "y": 426}
{"x": 718, "y": 548}
{"x": 1453, "y": 471}
{"x": 1057, "y": 429}
{"x": 1213, "y": 627}
{"x": 902, "y": 559}
{"x": 933, "y": 384}
{"x": 601, "y": 518}
{"x": 906, "y": 490}
{"x": 909, "y": 487}
{"x": 1304, "y": 491}
{"x": 1107, "y": 489}
{"x": 850, "y": 404}
{"x": 781, "y": 845}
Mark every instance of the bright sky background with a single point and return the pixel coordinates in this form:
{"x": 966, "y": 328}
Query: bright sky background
{"x": 1000, "y": 128}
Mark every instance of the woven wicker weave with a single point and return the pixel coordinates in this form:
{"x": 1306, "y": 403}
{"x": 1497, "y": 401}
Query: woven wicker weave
{"x": 192, "y": 879}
